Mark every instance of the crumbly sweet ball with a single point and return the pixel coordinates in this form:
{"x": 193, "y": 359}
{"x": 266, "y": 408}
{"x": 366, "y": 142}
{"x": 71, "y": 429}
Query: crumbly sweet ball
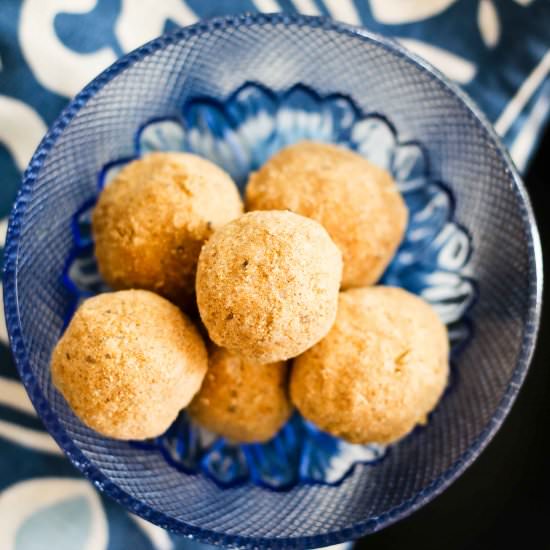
{"x": 380, "y": 370}
{"x": 242, "y": 400}
{"x": 150, "y": 223}
{"x": 267, "y": 285}
{"x": 128, "y": 362}
{"x": 357, "y": 202}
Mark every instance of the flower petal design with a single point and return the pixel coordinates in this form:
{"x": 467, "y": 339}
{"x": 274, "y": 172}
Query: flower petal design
{"x": 209, "y": 135}
{"x": 429, "y": 208}
{"x": 409, "y": 166}
{"x": 374, "y": 139}
{"x": 326, "y": 459}
{"x": 300, "y": 117}
{"x": 105, "y": 176}
{"x": 81, "y": 275}
{"x": 165, "y": 134}
{"x": 269, "y": 462}
{"x": 225, "y": 463}
{"x": 240, "y": 134}
{"x": 251, "y": 113}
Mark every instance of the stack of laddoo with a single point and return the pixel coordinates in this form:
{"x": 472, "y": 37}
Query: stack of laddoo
{"x": 240, "y": 317}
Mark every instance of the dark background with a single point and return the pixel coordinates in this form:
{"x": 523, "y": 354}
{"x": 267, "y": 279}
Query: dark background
{"x": 503, "y": 499}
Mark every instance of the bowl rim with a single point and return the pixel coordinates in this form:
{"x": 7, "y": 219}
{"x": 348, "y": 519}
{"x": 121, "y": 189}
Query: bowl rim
{"x": 77, "y": 457}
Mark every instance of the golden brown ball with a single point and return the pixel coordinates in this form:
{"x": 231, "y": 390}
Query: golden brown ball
{"x": 267, "y": 285}
{"x": 128, "y": 362}
{"x": 151, "y": 221}
{"x": 380, "y": 370}
{"x": 242, "y": 400}
{"x": 357, "y": 202}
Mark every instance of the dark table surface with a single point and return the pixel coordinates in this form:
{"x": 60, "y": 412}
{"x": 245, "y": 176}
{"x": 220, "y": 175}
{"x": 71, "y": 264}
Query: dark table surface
{"x": 503, "y": 499}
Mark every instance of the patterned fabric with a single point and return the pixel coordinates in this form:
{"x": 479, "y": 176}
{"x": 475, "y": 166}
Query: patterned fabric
{"x": 498, "y": 51}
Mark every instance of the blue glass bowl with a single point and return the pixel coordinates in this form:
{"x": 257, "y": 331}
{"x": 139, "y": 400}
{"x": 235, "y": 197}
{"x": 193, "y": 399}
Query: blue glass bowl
{"x": 472, "y": 234}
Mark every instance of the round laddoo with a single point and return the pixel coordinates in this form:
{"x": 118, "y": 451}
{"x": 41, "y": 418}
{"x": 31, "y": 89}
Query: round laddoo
{"x": 358, "y": 203}
{"x": 151, "y": 221}
{"x": 267, "y": 285}
{"x": 128, "y": 362}
{"x": 380, "y": 370}
{"x": 242, "y": 400}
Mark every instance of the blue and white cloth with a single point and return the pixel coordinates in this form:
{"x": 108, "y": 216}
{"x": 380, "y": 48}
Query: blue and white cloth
{"x": 497, "y": 50}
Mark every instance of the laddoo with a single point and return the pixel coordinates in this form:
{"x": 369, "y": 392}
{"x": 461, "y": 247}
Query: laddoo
{"x": 128, "y": 362}
{"x": 358, "y": 203}
{"x": 380, "y": 370}
{"x": 151, "y": 221}
{"x": 267, "y": 285}
{"x": 242, "y": 400}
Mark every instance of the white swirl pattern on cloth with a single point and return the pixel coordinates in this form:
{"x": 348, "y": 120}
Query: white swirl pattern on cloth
{"x": 59, "y": 45}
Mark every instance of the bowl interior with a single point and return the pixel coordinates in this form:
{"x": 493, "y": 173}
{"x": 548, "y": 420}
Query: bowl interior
{"x": 213, "y": 60}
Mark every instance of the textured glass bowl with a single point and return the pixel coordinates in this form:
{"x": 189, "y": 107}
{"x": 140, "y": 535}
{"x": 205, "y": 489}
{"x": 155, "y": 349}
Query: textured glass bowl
{"x": 431, "y": 121}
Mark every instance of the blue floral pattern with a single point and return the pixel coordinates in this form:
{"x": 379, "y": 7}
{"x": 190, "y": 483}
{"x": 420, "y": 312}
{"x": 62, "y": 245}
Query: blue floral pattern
{"x": 239, "y": 135}
{"x": 469, "y": 41}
